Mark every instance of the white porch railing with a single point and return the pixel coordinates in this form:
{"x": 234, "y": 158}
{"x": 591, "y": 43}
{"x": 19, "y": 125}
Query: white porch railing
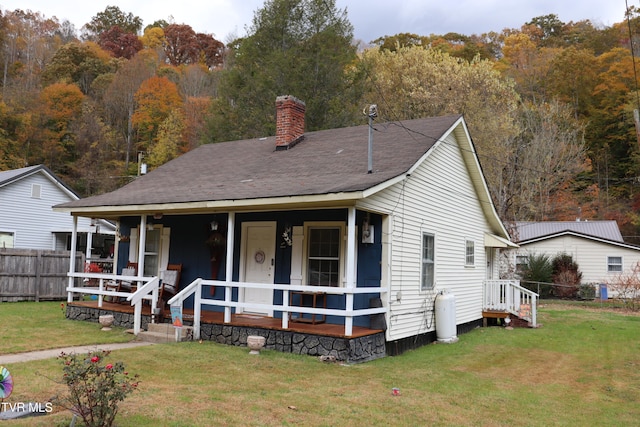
{"x": 147, "y": 289}
{"x": 508, "y": 296}
{"x": 195, "y": 289}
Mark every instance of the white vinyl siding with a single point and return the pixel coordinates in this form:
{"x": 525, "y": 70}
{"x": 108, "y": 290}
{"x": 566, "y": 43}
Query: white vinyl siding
{"x": 32, "y": 220}
{"x": 437, "y": 198}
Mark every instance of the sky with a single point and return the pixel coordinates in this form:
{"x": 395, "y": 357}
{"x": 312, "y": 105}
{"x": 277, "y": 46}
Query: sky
{"x": 227, "y": 19}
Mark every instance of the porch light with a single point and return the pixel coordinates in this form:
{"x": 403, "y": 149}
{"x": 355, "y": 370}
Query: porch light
{"x": 214, "y": 225}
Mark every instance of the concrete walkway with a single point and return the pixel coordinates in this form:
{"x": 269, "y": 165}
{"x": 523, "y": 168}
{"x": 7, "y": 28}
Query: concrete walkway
{"x": 52, "y": 353}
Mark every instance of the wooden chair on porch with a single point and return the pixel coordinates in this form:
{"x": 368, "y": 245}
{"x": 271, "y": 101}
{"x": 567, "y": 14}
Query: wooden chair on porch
{"x": 169, "y": 285}
{"x": 124, "y": 285}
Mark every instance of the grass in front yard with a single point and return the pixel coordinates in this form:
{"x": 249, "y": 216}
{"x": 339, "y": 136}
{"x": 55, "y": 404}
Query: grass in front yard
{"x": 580, "y": 368}
{"x": 29, "y": 326}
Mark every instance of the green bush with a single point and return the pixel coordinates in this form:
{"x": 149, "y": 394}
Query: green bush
{"x": 537, "y": 275}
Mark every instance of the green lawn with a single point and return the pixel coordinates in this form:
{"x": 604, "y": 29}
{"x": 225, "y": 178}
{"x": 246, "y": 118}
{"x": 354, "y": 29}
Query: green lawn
{"x": 27, "y": 326}
{"x": 582, "y": 367}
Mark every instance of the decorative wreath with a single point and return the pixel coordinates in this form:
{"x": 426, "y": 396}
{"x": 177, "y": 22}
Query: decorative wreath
{"x": 259, "y": 256}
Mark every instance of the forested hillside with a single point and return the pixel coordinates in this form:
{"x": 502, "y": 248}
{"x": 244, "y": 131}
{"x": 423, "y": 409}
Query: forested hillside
{"x": 550, "y": 105}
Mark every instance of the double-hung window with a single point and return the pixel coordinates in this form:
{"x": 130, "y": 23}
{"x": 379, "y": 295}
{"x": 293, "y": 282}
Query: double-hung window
{"x": 614, "y": 264}
{"x": 323, "y": 260}
{"x": 470, "y": 253}
{"x": 427, "y": 280}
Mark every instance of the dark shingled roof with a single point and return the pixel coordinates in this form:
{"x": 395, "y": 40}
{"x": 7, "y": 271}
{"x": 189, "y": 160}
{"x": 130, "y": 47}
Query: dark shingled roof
{"x": 325, "y": 162}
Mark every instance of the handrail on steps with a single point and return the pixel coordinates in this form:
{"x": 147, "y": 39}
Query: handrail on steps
{"x": 508, "y": 295}
{"x": 136, "y": 300}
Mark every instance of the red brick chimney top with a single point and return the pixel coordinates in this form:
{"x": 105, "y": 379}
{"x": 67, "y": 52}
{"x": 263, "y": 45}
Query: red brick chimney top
{"x": 289, "y": 121}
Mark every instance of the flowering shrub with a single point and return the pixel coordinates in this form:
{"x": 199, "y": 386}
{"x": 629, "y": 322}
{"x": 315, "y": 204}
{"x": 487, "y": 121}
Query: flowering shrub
{"x": 95, "y": 389}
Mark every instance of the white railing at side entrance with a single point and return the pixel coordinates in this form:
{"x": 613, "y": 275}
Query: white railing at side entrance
{"x": 195, "y": 288}
{"x": 509, "y": 296}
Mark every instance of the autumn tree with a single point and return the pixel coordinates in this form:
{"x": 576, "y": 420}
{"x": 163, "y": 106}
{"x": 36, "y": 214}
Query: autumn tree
{"x": 111, "y": 17}
{"x": 414, "y": 82}
{"x": 61, "y": 105}
{"x": 400, "y": 40}
{"x": 527, "y": 64}
{"x": 568, "y": 86}
{"x": 182, "y": 45}
{"x": 97, "y": 167}
{"x": 121, "y": 44}
{"x": 10, "y": 152}
{"x": 119, "y": 99}
{"x": 611, "y": 137}
{"x": 547, "y": 153}
{"x": 152, "y": 38}
{"x": 169, "y": 140}
{"x": 156, "y": 98}
{"x": 78, "y": 63}
{"x": 546, "y": 30}
{"x": 29, "y": 40}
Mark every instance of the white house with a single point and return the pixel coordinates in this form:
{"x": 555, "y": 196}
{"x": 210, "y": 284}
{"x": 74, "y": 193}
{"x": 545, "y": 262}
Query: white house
{"x": 596, "y": 246}
{"x": 399, "y": 213}
{"x": 27, "y": 220}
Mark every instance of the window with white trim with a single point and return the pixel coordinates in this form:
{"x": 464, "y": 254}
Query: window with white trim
{"x": 427, "y": 280}
{"x": 6, "y": 240}
{"x": 36, "y": 191}
{"x": 470, "y": 253}
{"x": 324, "y": 255}
{"x": 614, "y": 264}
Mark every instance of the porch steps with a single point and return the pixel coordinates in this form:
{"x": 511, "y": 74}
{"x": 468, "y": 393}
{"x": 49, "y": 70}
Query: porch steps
{"x": 516, "y": 321}
{"x": 165, "y": 333}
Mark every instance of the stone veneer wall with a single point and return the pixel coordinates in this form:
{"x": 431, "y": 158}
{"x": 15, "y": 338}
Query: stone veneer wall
{"x": 349, "y": 350}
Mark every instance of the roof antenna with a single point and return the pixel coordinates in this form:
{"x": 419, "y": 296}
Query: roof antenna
{"x": 373, "y": 113}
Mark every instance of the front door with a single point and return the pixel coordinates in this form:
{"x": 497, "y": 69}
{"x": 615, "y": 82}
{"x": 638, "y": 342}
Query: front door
{"x": 258, "y": 256}
{"x": 489, "y": 255}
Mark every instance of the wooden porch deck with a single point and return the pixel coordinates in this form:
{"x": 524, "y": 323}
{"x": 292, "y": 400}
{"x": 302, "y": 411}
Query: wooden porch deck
{"x": 249, "y": 320}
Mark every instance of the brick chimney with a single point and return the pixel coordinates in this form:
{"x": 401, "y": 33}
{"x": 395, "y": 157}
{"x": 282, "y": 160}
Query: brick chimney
{"x": 289, "y": 121}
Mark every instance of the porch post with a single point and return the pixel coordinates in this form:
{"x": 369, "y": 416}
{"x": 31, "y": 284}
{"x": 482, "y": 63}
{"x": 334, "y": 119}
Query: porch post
{"x": 228, "y": 275}
{"x": 88, "y": 249}
{"x": 72, "y": 262}
{"x": 197, "y": 312}
{"x": 351, "y": 268}
{"x": 137, "y": 317}
{"x": 141, "y": 244}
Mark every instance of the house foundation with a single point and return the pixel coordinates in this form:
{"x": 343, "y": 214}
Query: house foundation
{"x": 342, "y": 349}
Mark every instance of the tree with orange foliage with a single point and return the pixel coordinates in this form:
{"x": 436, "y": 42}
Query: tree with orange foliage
{"x": 61, "y": 104}
{"x": 156, "y": 98}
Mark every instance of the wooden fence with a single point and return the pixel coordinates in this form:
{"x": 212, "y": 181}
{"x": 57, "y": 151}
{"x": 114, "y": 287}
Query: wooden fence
{"x": 34, "y": 275}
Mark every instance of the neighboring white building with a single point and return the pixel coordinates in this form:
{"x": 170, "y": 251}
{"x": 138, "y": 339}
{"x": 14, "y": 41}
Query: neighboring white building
{"x": 27, "y": 220}
{"x": 596, "y": 246}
